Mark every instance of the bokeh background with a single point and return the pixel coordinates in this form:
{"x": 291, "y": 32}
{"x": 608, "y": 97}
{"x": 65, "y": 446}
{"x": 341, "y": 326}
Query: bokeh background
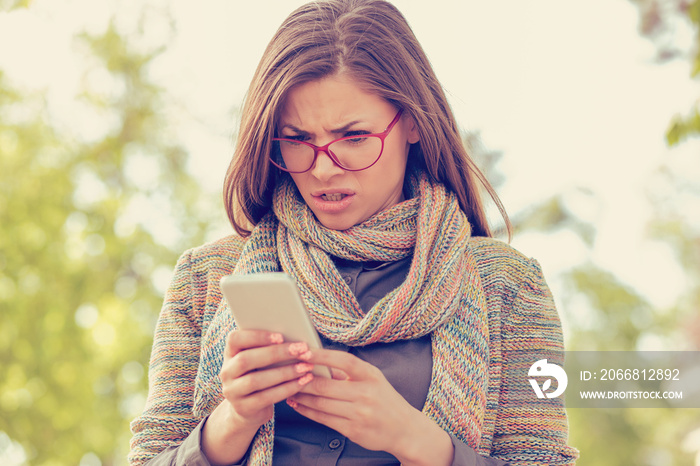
{"x": 117, "y": 122}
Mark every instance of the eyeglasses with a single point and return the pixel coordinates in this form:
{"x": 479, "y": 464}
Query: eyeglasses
{"x": 352, "y": 153}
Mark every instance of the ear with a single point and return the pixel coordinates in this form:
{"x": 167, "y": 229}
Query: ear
{"x": 413, "y": 135}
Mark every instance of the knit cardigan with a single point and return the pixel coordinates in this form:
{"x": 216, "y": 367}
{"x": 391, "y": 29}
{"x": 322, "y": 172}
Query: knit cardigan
{"x": 521, "y": 320}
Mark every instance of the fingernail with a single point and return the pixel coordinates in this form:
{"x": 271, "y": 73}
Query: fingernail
{"x": 292, "y": 403}
{"x": 276, "y": 338}
{"x": 295, "y": 349}
{"x": 303, "y": 367}
{"x": 305, "y": 356}
{"x": 306, "y": 379}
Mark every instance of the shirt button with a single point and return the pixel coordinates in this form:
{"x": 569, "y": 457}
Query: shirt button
{"x": 348, "y": 279}
{"x": 333, "y": 444}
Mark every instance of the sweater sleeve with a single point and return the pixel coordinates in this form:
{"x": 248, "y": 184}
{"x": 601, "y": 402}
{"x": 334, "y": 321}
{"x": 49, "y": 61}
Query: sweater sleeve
{"x": 466, "y": 456}
{"x": 167, "y": 419}
{"x": 528, "y": 430}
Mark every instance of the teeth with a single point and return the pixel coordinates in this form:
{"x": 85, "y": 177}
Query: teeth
{"x": 333, "y": 197}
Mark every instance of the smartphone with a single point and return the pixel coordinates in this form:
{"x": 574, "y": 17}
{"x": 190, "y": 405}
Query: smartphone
{"x": 271, "y": 301}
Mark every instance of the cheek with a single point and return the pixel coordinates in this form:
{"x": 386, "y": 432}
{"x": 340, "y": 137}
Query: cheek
{"x": 299, "y": 180}
{"x": 385, "y": 184}
{"x": 394, "y": 161}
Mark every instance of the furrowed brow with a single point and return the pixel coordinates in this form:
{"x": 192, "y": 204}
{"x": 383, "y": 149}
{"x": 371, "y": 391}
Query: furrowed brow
{"x": 344, "y": 128}
{"x": 298, "y": 131}
{"x": 340, "y": 130}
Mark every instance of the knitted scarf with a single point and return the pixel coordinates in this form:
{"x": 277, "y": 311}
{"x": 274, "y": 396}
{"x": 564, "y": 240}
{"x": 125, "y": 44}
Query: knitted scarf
{"x": 441, "y": 295}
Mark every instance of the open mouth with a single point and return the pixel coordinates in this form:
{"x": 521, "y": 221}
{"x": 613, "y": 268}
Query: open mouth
{"x": 333, "y": 197}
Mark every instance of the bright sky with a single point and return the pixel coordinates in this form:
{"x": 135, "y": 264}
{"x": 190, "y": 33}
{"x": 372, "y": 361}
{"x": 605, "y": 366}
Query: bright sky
{"x": 565, "y": 88}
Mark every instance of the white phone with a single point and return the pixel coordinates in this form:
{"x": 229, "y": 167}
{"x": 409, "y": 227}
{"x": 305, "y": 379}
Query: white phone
{"x": 271, "y": 301}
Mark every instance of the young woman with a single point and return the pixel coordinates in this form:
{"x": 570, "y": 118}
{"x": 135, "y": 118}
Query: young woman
{"x": 350, "y": 175}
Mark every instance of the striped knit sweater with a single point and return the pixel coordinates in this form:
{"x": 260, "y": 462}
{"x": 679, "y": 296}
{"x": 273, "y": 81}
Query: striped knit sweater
{"x": 522, "y": 321}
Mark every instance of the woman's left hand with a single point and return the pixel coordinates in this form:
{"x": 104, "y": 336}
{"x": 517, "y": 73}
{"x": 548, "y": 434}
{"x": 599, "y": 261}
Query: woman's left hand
{"x": 362, "y": 405}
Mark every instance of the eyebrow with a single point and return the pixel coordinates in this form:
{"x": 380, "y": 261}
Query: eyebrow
{"x": 340, "y": 130}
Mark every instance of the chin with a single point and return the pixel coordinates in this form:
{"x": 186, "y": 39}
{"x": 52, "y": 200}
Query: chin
{"x": 336, "y": 223}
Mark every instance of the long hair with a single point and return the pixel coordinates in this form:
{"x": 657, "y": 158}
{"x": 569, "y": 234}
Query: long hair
{"x": 371, "y": 42}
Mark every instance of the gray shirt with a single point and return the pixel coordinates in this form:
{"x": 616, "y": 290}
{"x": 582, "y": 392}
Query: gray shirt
{"x": 406, "y": 364}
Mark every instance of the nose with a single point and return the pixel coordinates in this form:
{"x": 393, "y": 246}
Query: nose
{"x": 325, "y": 168}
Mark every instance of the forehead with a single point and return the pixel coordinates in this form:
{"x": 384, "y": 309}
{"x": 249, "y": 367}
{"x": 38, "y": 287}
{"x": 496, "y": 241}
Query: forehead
{"x": 330, "y": 99}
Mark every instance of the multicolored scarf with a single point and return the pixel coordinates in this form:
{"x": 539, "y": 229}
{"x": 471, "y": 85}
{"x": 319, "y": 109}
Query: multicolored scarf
{"x": 441, "y": 295}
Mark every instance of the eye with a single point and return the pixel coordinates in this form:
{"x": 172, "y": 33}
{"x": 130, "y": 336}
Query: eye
{"x": 358, "y": 135}
{"x": 297, "y": 137}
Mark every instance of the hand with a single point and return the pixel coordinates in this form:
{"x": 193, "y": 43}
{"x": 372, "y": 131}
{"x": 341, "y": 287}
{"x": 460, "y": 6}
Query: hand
{"x": 362, "y": 405}
{"x": 249, "y": 385}
{"x": 251, "y": 389}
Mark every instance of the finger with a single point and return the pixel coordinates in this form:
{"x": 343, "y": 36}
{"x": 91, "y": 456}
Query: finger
{"x": 348, "y": 366}
{"x": 339, "y": 390}
{"x": 330, "y": 388}
{"x": 335, "y": 407}
{"x": 255, "y": 402}
{"x": 239, "y": 340}
{"x": 335, "y": 422}
{"x": 251, "y": 359}
{"x": 256, "y": 381}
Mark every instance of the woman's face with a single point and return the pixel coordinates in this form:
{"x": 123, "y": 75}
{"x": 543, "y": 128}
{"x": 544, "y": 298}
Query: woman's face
{"x": 313, "y": 112}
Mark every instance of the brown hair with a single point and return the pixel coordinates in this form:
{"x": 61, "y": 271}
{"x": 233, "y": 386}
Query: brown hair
{"x": 370, "y": 41}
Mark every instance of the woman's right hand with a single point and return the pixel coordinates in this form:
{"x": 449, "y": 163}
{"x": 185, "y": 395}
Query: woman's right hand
{"x": 251, "y": 389}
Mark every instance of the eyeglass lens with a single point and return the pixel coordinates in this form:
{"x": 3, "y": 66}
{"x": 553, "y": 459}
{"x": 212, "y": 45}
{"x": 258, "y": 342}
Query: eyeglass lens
{"x": 355, "y": 153}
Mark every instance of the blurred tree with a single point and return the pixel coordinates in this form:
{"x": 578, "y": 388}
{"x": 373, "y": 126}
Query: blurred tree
{"x": 549, "y": 215}
{"x": 82, "y": 254}
{"x": 674, "y": 191}
{"x": 618, "y": 317}
{"x": 605, "y": 314}
{"x": 668, "y": 23}
{"x": 13, "y": 4}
